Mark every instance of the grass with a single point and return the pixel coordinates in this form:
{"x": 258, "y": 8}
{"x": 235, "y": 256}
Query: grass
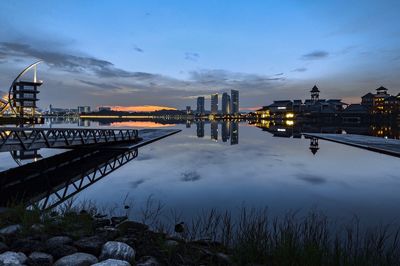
{"x": 251, "y": 237}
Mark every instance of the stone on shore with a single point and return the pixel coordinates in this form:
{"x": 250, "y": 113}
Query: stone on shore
{"x": 77, "y": 259}
{"x": 11, "y": 229}
{"x": 58, "y": 240}
{"x": 112, "y": 262}
{"x": 92, "y": 245}
{"x": 27, "y": 245}
{"x": 147, "y": 261}
{"x": 12, "y": 258}
{"x": 60, "y": 251}
{"x": 3, "y": 247}
{"x": 40, "y": 259}
{"x": 117, "y": 250}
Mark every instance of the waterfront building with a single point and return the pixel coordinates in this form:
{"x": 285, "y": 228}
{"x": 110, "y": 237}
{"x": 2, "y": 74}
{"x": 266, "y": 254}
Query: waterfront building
{"x": 188, "y": 110}
{"x": 315, "y": 93}
{"x": 226, "y": 104}
{"x": 235, "y": 102}
{"x": 214, "y": 103}
{"x": 104, "y": 108}
{"x": 381, "y": 103}
{"x": 288, "y": 109}
{"x": 200, "y": 106}
{"x": 83, "y": 109}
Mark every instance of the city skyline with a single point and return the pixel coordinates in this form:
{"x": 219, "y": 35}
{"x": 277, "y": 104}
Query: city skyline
{"x": 135, "y": 54}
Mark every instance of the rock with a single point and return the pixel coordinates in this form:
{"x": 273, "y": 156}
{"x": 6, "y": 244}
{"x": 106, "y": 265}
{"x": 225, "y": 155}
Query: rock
{"x": 101, "y": 222}
{"x": 131, "y": 226}
{"x": 11, "y": 229}
{"x": 117, "y": 250}
{"x": 223, "y": 258}
{"x": 59, "y": 251}
{"x": 37, "y": 227}
{"x": 112, "y": 262}
{"x": 171, "y": 243}
{"x": 108, "y": 232}
{"x": 3, "y": 247}
{"x": 12, "y": 258}
{"x": 118, "y": 219}
{"x": 77, "y": 259}
{"x": 58, "y": 240}
{"x": 27, "y": 245}
{"x": 40, "y": 259}
{"x": 100, "y": 216}
{"x": 90, "y": 245}
{"x": 147, "y": 261}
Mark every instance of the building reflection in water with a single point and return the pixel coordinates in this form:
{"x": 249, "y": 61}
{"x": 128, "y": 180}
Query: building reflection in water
{"x": 225, "y": 131}
{"x": 314, "y": 145}
{"x": 214, "y": 130}
{"x": 48, "y": 182}
{"x": 83, "y": 123}
{"x": 200, "y": 128}
{"x": 229, "y": 130}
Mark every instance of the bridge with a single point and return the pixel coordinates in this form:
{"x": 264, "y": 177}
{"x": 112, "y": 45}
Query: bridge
{"x": 14, "y": 138}
{"x": 53, "y": 180}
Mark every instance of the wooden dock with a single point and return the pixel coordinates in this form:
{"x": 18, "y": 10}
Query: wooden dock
{"x": 375, "y": 144}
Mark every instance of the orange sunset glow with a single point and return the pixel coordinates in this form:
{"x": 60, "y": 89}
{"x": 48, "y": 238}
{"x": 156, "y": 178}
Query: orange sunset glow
{"x": 141, "y": 108}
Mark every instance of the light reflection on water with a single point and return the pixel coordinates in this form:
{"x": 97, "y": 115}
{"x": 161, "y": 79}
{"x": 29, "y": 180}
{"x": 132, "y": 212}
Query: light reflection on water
{"x": 226, "y": 165}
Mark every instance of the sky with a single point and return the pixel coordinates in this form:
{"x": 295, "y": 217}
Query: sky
{"x": 167, "y": 53}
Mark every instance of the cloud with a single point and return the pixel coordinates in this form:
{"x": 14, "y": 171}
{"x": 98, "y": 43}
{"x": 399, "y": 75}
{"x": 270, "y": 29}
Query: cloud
{"x": 312, "y": 179}
{"x": 66, "y": 62}
{"x": 315, "y": 55}
{"x": 137, "y": 183}
{"x": 300, "y": 69}
{"x": 190, "y": 176}
{"x": 192, "y": 56}
{"x": 138, "y": 49}
{"x": 99, "y": 81}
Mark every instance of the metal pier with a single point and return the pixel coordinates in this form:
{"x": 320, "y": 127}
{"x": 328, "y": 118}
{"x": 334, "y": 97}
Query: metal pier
{"x": 35, "y": 138}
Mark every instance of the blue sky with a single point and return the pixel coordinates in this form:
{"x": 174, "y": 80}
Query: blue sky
{"x": 169, "y": 52}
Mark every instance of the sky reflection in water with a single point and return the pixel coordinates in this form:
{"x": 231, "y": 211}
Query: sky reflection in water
{"x": 252, "y": 168}
{"x": 190, "y": 174}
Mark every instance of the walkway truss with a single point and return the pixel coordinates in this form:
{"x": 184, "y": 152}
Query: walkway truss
{"x": 36, "y": 138}
{"x": 51, "y": 181}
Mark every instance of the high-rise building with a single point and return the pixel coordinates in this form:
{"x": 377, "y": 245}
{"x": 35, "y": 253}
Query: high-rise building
{"x": 235, "y": 102}
{"x": 188, "y": 110}
{"x": 214, "y": 103}
{"x": 83, "y": 109}
{"x": 226, "y": 104}
{"x": 200, "y": 105}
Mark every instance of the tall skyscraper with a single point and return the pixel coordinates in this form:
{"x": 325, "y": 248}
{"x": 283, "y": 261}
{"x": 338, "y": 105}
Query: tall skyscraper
{"x": 226, "y": 104}
{"x": 235, "y": 102}
{"x": 200, "y": 105}
{"x": 214, "y": 103}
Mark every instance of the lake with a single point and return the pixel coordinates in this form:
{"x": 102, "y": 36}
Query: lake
{"x": 226, "y": 165}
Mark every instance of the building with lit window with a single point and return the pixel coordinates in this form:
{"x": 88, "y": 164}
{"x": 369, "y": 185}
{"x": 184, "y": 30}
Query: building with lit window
{"x": 381, "y": 103}
{"x": 235, "y": 102}
{"x": 214, "y": 103}
{"x": 226, "y": 104}
{"x": 200, "y": 106}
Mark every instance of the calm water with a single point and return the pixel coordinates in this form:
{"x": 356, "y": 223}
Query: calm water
{"x": 226, "y": 166}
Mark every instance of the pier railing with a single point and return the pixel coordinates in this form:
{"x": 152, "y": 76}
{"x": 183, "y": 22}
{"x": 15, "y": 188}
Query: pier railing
{"x": 36, "y": 138}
